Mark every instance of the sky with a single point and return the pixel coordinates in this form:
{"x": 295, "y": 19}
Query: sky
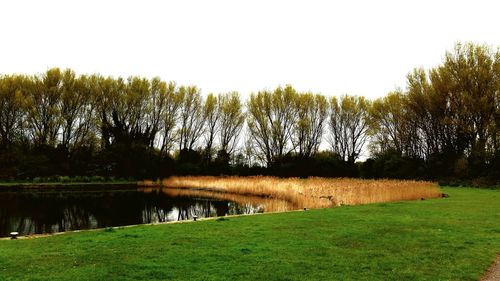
{"x": 329, "y": 47}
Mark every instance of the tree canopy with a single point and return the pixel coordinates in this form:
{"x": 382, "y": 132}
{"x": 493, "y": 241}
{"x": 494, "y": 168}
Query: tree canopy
{"x": 444, "y": 124}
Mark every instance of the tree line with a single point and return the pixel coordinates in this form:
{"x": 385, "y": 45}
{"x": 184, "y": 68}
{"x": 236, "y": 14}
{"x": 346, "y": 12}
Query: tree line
{"x": 444, "y": 125}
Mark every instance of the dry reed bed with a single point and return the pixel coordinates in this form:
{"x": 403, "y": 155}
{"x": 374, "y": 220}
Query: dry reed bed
{"x": 312, "y": 192}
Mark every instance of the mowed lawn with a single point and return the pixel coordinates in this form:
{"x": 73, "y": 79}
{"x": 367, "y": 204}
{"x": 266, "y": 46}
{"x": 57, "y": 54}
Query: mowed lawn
{"x": 453, "y": 238}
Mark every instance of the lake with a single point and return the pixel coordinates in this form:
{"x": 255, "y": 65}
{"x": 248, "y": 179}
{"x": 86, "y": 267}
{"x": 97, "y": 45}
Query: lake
{"x": 49, "y": 210}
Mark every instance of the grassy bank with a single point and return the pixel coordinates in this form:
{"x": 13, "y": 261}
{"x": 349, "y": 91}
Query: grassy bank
{"x": 454, "y": 238}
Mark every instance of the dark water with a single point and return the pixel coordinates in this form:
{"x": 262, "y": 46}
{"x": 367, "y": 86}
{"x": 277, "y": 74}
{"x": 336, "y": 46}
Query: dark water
{"x": 48, "y": 211}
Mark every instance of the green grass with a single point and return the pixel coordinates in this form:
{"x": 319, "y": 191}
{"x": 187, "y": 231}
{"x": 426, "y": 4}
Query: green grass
{"x": 454, "y": 238}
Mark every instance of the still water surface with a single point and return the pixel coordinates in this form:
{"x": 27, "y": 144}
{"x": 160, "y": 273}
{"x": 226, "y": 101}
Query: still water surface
{"x": 55, "y": 210}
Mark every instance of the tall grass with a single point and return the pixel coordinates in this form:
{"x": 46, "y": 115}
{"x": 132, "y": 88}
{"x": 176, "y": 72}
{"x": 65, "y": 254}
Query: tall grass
{"x": 312, "y": 192}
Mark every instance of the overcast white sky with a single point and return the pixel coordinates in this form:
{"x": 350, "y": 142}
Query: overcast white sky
{"x": 332, "y": 47}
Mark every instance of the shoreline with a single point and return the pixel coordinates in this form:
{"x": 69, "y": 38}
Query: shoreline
{"x": 4, "y": 186}
{"x": 44, "y": 235}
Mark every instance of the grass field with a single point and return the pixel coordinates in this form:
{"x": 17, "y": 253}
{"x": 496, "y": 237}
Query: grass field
{"x": 453, "y": 238}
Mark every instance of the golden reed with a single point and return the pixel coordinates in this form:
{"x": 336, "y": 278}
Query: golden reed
{"x": 311, "y": 192}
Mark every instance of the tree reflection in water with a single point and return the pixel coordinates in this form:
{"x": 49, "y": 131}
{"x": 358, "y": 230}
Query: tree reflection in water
{"x": 48, "y": 211}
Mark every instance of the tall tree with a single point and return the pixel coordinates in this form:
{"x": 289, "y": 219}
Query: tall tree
{"x": 495, "y": 127}
{"x": 75, "y": 108}
{"x": 211, "y": 115}
{"x": 44, "y": 116}
{"x": 104, "y": 92}
{"x": 125, "y": 120}
{"x": 349, "y": 123}
{"x": 425, "y": 108}
{"x": 86, "y": 124}
{"x": 473, "y": 86}
{"x": 231, "y": 120}
{"x": 173, "y": 102}
{"x": 155, "y": 108}
{"x": 191, "y": 117}
{"x": 271, "y": 121}
{"x": 312, "y": 114}
{"x": 391, "y": 128}
{"x": 12, "y": 109}
{"x": 135, "y": 103}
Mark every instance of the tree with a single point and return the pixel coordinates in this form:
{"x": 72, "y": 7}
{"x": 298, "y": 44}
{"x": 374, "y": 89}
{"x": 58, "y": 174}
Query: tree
{"x": 12, "y": 109}
{"x": 272, "y": 118}
{"x": 312, "y": 113}
{"x": 76, "y": 109}
{"x": 473, "y": 85}
{"x": 125, "y": 107}
{"x": 211, "y": 115}
{"x": 191, "y": 117}
{"x": 44, "y": 116}
{"x": 156, "y": 107}
{"x": 446, "y": 123}
{"x": 391, "y": 127}
{"x": 231, "y": 120}
{"x": 425, "y": 107}
{"x": 349, "y": 123}
{"x": 86, "y": 131}
{"x": 173, "y": 101}
{"x": 136, "y": 107}
{"x": 495, "y": 127}
{"x": 104, "y": 93}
